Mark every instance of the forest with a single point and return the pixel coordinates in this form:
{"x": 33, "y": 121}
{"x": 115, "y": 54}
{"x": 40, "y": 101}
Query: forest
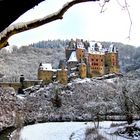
{"x": 26, "y": 59}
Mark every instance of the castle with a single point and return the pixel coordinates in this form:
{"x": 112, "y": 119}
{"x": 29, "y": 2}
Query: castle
{"x": 83, "y": 59}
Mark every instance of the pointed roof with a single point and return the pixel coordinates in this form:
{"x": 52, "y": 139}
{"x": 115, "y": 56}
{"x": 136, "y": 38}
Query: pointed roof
{"x": 95, "y": 48}
{"x": 73, "y": 57}
{"x": 112, "y": 48}
{"x": 80, "y": 44}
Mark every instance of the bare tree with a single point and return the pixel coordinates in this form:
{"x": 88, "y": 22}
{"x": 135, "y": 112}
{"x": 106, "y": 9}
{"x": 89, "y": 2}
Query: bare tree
{"x": 127, "y": 106}
{"x": 128, "y": 98}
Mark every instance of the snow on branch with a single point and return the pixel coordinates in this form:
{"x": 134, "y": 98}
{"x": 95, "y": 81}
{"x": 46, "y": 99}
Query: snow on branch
{"x": 21, "y": 27}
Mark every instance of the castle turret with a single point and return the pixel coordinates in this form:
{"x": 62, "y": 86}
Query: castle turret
{"x": 96, "y": 59}
{"x": 80, "y": 50}
{"x": 82, "y": 70}
{"x": 96, "y": 64}
{"x": 45, "y": 73}
{"x": 72, "y": 62}
{"x": 70, "y": 48}
{"x": 111, "y": 60}
{"x": 62, "y": 76}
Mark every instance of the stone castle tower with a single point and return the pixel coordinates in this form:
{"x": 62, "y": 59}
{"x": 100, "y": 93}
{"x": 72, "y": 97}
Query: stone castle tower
{"x": 111, "y": 60}
{"x": 45, "y": 73}
{"x": 62, "y": 75}
{"x": 82, "y": 70}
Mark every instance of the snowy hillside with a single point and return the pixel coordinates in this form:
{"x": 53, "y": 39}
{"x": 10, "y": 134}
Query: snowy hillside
{"x": 81, "y": 100}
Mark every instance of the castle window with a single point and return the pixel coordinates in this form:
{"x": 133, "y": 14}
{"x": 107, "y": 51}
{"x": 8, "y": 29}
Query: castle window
{"x": 101, "y": 60}
{"x": 106, "y": 65}
{"x": 96, "y": 64}
{"x": 96, "y": 59}
{"x": 92, "y": 59}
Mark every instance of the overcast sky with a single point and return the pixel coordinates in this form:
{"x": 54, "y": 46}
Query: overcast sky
{"x": 83, "y": 21}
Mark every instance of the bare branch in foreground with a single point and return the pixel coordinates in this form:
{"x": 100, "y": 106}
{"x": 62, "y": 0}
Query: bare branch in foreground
{"x": 126, "y": 7}
{"x": 103, "y": 5}
{"x": 21, "y": 27}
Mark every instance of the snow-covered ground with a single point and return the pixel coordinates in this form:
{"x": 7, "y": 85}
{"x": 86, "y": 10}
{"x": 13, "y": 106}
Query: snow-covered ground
{"x": 51, "y": 131}
{"x": 65, "y": 131}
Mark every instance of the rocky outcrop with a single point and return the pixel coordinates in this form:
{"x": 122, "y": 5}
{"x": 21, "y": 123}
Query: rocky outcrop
{"x": 74, "y": 102}
{"x": 10, "y": 106}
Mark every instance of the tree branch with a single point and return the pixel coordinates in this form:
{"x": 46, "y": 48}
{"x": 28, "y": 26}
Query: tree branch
{"x": 20, "y": 27}
{"x": 134, "y": 103}
{"x": 103, "y": 5}
{"x": 126, "y": 7}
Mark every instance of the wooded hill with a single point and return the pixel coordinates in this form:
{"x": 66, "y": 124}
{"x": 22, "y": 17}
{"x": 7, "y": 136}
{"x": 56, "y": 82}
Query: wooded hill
{"x": 25, "y": 60}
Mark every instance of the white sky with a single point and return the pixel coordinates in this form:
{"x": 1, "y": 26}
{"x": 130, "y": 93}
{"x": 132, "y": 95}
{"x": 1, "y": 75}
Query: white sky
{"x": 83, "y": 21}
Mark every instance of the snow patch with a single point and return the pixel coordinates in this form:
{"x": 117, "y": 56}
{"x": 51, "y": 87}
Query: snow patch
{"x": 78, "y": 80}
{"x": 73, "y": 57}
{"x": 68, "y": 130}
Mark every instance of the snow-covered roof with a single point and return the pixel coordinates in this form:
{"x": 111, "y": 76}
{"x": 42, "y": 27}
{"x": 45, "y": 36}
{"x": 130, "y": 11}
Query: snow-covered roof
{"x": 46, "y": 66}
{"x": 73, "y": 74}
{"x": 61, "y": 69}
{"x": 80, "y": 45}
{"x": 92, "y": 44}
{"x": 101, "y": 48}
{"x": 112, "y": 48}
{"x": 92, "y": 48}
{"x": 73, "y": 57}
{"x": 75, "y": 68}
{"x": 96, "y": 52}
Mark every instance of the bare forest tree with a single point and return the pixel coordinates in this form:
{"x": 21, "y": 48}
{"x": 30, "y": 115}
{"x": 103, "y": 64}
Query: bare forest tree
{"x": 128, "y": 98}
